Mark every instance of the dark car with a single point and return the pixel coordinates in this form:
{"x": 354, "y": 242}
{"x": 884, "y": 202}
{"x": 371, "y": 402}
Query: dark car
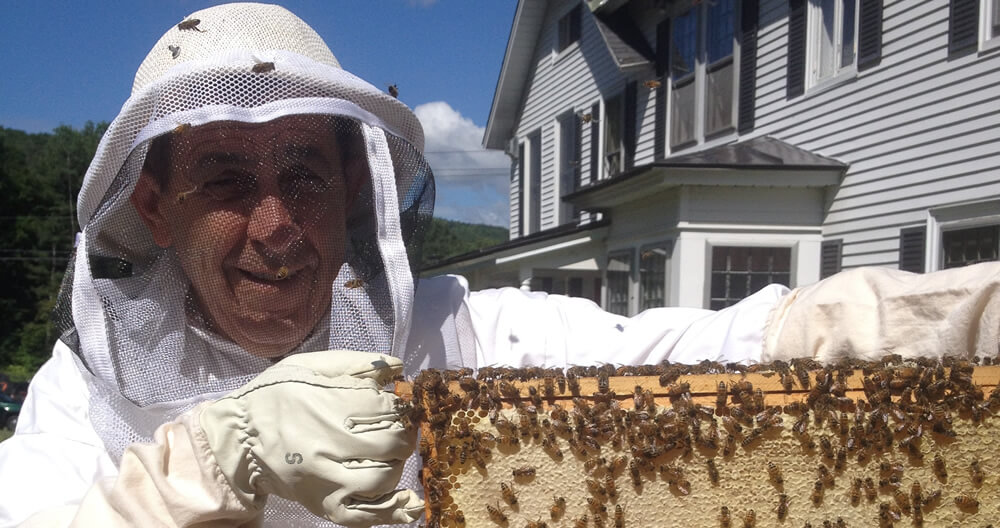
{"x": 9, "y": 409}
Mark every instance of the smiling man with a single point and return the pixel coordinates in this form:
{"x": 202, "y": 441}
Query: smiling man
{"x": 243, "y": 292}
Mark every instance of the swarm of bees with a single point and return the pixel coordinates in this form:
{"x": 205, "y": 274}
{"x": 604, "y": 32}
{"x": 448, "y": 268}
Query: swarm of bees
{"x": 862, "y": 424}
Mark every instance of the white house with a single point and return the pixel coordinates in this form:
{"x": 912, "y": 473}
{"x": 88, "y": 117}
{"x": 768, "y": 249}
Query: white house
{"x": 687, "y": 152}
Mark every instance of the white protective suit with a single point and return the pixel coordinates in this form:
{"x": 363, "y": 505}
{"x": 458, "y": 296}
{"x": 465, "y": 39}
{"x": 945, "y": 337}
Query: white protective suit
{"x": 108, "y": 436}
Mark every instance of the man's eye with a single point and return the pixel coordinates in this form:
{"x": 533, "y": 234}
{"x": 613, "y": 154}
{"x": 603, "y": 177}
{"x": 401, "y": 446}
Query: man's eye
{"x": 226, "y": 186}
{"x": 302, "y": 180}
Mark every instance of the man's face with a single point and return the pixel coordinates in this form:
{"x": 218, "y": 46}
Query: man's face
{"x": 256, "y": 215}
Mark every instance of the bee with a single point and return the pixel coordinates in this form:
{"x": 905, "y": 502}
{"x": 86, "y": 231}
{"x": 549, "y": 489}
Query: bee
{"x": 902, "y": 500}
{"x": 713, "y": 472}
{"x": 977, "y": 473}
{"x": 730, "y": 445}
{"x": 652, "y": 84}
{"x": 619, "y": 516}
{"x": 731, "y": 424}
{"x": 191, "y": 23}
{"x": 393, "y": 90}
{"x": 966, "y": 502}
{"x": 824, "y": 475}
{"x": 602, "y": 383}
{"x": 824, "y": 443}
{"x": 595, "y": 488}
{"x": 678, "y": 389}
{"x": 817, "y": 493}
{"x": 782, "y": 506}
{"x": 524, "y": 472}
{"x": 496, "y": 514}
{"x": 856, "y": 491}
{"x": 558, "y": 507}
{"x": 596, "y": 507}
{"x": 721, "y": 394}
{"x": 508, "y": 440}
{"x": 749, "y": 519}
{"x": 841, "y": 459}
{"x": 725, "y": 520}
{"x": 508, "y": 494}
{"x": 571, "y": 380}
{"x": 888, "y": 513}
{"x": 633, "y": 468}
{"x": 598, "y": 521}
{"x": 940, "y": 470}
{"x": 683, "y": 486}
{"x": 353, "y": 284}
{"x": 871, "y": 492}
{"x": 609, "y": 486}
{"x": 916, "y": 495}
{"x": 888, "y": 468}
{"x": 262, "y": 67}
{"x": 581, "y": 522}
{"x": 774, "y": 472}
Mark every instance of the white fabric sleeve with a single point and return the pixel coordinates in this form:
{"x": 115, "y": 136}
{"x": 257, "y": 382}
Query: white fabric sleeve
{"x": 870, "y": 312}
{"x": 55, "y": 455}
{"x": 516, "y": 328}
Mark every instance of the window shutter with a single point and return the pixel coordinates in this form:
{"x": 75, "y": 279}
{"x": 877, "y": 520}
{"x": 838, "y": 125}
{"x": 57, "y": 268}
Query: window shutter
{"x": 520, "y": 190}
{"x": 595, "y": 142}
{"x": 662, "y": 67}
{"x": 629, "y": 137}
{"x": 748, "y": 65}
{"x": 963, "y": 25}
{"x": 577, "y": 151}
{"x": 912, "y": 243}
{"x": 796, "y": 67}
{"x": 870, "y": 34}
{"x": 831, "y": 253}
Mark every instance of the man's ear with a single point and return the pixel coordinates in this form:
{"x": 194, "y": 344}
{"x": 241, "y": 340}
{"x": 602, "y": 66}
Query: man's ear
{"x": 146, "y": 200}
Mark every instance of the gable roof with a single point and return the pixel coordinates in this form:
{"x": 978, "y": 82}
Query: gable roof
{"x": 618, "y": 30}
{"x": 514, "y": 72}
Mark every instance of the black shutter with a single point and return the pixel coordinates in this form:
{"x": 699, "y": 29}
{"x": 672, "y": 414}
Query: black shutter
{"x": 912, "y": 243}
{"x": 870, "y": 34}
{"x": 662, "y": 67}
{"x": 595, "y": 142}
{"x": 963, "y": 25}
{"x": 831, "y": 253}
{"x": 577, "y": 151}
{"x": 522, "y": 229}
{"x": 748, "y": 65}
{"x": 631, "y": 92}
{"x": 796, "y": 68}
{"x": 663, "y": 47}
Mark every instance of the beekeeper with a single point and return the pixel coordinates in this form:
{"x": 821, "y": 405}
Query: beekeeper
{"x": 243, "y": 292}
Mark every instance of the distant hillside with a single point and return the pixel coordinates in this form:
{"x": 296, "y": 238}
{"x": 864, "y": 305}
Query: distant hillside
{"x": 447, "y": 238}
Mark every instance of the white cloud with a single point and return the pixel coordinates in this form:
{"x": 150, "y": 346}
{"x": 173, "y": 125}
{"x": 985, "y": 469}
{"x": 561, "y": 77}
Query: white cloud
{"x": 472, "y": 182}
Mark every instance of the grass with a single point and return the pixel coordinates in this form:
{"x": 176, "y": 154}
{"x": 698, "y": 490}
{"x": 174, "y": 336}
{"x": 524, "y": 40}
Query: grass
{"x": 5, "y": 434}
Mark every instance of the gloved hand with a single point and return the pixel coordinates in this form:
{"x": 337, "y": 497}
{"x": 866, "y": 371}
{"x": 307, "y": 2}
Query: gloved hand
{"x": 316, "y": 428}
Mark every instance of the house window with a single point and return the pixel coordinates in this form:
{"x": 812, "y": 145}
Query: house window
{"x": 653, "y": 276}
{"x": 569, "y": 163}
{"x": 740, "y": 271}
{"x": 614, "y": 160}
{"x": 619, "y": 274}
{"x": 534, "y": 181}
{"x": 991, "y": 22}
{"x": 569, "y": 28}
{"x": 962, "y": 247}
{"x": 702, "y": 72}
{"x": 832, "y": 38}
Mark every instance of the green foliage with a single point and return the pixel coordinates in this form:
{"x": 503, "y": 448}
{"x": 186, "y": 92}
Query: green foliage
{"x": 447, "y": 238}
{"x": 40, "y": 175}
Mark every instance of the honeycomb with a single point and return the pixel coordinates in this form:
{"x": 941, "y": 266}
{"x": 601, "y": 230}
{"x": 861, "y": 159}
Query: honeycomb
{"x": 887, "y": 443}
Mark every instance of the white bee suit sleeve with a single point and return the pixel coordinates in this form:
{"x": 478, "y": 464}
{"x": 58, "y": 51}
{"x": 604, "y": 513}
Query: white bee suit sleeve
{"x": 870, "y": 312}
{"x": 516, "y": 328}
{"x": 55, "y": 456}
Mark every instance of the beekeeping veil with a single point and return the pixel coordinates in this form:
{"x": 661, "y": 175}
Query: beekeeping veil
{"x": 251, "y": 200}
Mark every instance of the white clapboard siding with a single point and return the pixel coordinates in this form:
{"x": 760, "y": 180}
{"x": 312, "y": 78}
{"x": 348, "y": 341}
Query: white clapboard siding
{"x": 919, "y": 130}
{"x": 562, "y": 82}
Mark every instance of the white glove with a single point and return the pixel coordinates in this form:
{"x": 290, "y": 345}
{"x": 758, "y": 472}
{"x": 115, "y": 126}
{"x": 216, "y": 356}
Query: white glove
{"x": 316, "y": 428}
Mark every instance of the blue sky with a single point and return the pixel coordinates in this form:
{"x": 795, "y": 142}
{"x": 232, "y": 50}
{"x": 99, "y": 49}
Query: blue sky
{"x": 68, "y": 62}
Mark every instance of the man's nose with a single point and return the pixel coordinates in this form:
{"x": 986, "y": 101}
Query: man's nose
{"x": 273, "y": 226}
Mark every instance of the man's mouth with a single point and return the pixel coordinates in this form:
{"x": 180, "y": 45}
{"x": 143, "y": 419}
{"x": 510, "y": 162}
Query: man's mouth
{"x": 282, "y": 273}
